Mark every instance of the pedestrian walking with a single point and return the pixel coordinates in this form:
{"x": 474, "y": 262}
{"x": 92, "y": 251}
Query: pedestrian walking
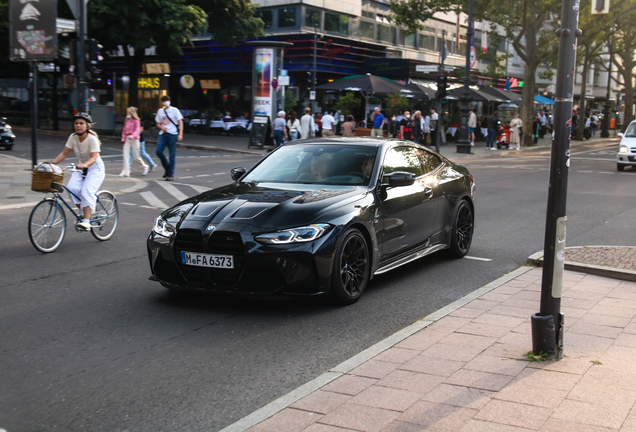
{"x": 536, "y": 127}
{"x": 515, "y": 132}
{"x": 84, "y": 184}
{"x": 349, "y": 127}
{"x": 393, "y": 126}
{"x": 544, "y": 124}
{"x": 472, "y": 125}
{"x": 170, "y": 121}
{"x": 293, "y": 126}
{"x": 130, "y": 138}
{"x": 307, "y": 125}
{"x": 406, "y": 126}
{"x": 593, "y": 124}
{"x": 426, "y": 129}
{"x": 418, "y": 127}
{"x": 145, "y": 125}
{"x": 378, "y": 124}
{"x": 280, "y": 129}
{"x": 327, "y": 125}
{"x": 483, "y": 124}
{"x": 493, "y": 125}
{"x": 434, "y": 126}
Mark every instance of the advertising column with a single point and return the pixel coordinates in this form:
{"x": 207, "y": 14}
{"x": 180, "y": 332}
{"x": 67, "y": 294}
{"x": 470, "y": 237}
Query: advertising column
{"x": 264, "y": 95}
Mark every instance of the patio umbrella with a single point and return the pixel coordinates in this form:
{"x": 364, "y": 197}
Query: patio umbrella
{"x": 368, "y": 85}
{"x": 414, "y": 91}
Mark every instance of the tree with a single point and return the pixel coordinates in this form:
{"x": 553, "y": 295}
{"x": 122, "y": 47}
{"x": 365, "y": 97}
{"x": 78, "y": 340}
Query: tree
{"x": 348, "y": 104}
{"x": 231, "y": 20}
{"x": 142, "y": 24}
{"x": 522, "y": 21}
{"x": 396, "y": 103}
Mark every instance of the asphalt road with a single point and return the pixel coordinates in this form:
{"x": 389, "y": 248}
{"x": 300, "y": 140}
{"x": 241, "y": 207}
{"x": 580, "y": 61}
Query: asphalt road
{"x": 88, "y": 343}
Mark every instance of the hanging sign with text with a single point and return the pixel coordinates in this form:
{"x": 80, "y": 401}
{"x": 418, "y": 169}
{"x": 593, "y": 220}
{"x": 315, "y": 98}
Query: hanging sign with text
{"x": 32, "y": 30}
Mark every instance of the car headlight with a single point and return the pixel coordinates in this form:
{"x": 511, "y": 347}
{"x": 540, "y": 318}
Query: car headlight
{"x": 162, "y": 227}
{"x": 623, "y": 149}
{"x": 294, "y": 235}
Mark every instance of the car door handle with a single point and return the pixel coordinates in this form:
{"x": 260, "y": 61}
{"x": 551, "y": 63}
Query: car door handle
{"x": 428, "y": 192}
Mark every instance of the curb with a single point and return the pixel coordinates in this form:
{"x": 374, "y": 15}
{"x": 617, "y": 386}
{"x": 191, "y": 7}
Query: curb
{"x": 536, "y": 259}
{"x": 336, "y": 372}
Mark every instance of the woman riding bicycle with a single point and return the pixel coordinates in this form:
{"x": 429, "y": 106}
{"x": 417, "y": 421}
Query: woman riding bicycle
{"x": 84, "y": 184}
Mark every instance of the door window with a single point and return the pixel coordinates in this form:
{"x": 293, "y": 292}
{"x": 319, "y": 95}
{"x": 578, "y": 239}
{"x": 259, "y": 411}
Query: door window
{"x": 428, "y": 160}
{"x": 404, "y": 159}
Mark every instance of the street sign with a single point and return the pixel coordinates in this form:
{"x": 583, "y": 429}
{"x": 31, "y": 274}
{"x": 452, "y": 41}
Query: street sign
{"x": 32, "y": 29}
{"x": 69, "y": 81}
{"x": 63, "y": 25}
{"x": 283, "y": 72}
{"x": 600, "y": 6}
{"x": 312, "y": 95}
{"x": 274, "y": 83}
{"x": 426, "y": 68}
{"x": 283, "y": 80}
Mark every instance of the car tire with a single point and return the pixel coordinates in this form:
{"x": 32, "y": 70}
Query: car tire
{"x": 350, "y": 268}
{"x": 620, "y": 167}
{"x": 463, "y": 229}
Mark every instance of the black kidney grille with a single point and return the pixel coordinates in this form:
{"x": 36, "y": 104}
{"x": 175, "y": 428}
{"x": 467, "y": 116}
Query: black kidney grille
{"x": 188, "y": 240}
{"x": 226, "y": 243}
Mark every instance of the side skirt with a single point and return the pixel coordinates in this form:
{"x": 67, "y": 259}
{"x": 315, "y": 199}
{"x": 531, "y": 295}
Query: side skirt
{"x": 411, "y": 257}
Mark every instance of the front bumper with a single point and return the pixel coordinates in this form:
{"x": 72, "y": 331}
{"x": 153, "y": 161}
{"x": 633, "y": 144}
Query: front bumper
{"x": 300, "y": 269}
{"x": 6, "y": 140}
{"x": 626, "y": 158}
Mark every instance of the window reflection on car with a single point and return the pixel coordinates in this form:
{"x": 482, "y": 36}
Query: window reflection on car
{"x": 631, "y": 131}
{"x": 317, "y": 164}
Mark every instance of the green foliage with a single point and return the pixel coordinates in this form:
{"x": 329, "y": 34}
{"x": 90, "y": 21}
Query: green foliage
{"x": 536, "y": 358}
{"x": 496, "y": 60}
{"x": 231, "y": 20}
{"x": 164, "y": 24}
{"x": 290, "y": 101}
{"x": 348, "y": 104}
{"x": 396, "y": 103}
{"x": 410, "y": 14}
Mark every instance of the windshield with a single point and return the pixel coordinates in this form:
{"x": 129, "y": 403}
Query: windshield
{"x": 631, "y": 131}
{"x": 317, "y": 164}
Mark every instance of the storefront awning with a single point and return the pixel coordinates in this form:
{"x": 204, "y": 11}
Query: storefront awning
{"x": 542, "y": 100}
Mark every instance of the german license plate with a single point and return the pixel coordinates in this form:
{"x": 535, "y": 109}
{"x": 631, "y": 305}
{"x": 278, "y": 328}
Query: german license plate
{"x": 207, "y": 260}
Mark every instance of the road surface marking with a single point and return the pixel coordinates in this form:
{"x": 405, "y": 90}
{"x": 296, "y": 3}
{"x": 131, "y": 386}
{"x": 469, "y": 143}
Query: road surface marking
{"x": 172, "y": 190}
{"x": 153, "y": 208}
{"x": 152, "y": 200}
{"x": 477, "y": 258}
{"x": 203, "y": 175}
{"x": 125, "y": 203}
{"x": 585, "y": 171}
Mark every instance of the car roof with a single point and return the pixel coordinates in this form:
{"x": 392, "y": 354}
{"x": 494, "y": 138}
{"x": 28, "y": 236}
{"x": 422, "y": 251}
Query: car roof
{"x": 375, "y": 142}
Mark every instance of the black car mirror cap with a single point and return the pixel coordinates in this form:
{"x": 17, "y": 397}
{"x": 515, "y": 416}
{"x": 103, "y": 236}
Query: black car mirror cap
{"x": 399, "y": 178}
{"x": 237, "y": 173}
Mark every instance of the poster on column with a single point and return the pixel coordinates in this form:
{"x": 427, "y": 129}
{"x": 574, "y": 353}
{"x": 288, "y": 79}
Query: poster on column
{"x": 263, "y": 73}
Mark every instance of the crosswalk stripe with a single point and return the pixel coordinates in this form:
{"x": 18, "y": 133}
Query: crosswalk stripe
{"x": 172, "y": 190}
{"x": 199, "y": 189}
{"x": 152, "y": 199}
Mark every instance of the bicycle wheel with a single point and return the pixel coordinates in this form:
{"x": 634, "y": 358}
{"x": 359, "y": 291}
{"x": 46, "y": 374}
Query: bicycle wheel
{"x": 106, "y": 217}
{"x": 47, "y": 225}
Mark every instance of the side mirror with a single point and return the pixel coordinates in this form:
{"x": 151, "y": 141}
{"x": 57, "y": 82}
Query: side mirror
{"x": 237, "y": 173}
{"x": 399, "y": 178}
{"x": 620, "y": 134}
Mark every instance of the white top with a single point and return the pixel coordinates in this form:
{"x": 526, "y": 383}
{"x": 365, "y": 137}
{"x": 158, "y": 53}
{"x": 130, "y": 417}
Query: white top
{"x": 516, "y": 122}
{"x": 542, "y": 119}
{"x": 174, "y": 114}
{"x": 327, "y": 122}
{"x": 427, "y": 124}
{"x": 434, "y": 116}
{"x": 306, "y": 126}
{"x": 295, "y": 126}
{"x": 472, "y": 120}
{"x": 83, "y": 149}
{"x": 588, "y": 122}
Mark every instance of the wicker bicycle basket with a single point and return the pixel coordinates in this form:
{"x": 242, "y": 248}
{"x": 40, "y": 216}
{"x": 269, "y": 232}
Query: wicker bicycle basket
{"x": 42, "y": 181}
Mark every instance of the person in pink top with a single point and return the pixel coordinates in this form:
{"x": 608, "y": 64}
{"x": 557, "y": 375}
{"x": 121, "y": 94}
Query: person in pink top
{"x": 130, "y": 138}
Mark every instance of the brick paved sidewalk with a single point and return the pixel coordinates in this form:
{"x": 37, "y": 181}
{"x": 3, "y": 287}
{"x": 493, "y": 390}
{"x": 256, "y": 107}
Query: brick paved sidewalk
{"x": 469, "y": 370}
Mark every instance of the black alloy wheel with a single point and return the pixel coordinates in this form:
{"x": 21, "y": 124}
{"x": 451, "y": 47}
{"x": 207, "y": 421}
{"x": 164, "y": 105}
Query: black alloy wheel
{"x": 351, "y": 268}
{"x": 463, "y": 227}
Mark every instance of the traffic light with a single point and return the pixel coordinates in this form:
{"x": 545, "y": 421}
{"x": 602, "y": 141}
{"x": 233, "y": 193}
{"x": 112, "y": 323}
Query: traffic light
{"x": 92, "y": 58}
{"x": 600, "y": 6}
{"x": 442, "y": 84}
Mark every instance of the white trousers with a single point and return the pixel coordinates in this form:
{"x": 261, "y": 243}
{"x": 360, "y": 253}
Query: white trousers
{"x": 85, "y": 188}
{"x": 134, "y": 144}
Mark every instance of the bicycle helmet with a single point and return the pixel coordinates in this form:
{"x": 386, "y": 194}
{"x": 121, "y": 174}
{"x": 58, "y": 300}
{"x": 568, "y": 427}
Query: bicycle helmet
{"x": 84, "y": 116}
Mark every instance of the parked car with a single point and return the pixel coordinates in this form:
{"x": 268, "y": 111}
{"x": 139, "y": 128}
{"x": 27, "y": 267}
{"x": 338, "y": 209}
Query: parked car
{"x": 6, "y": 134}
{"x": 626, "y": 155}
{"x": 319, "y": 216}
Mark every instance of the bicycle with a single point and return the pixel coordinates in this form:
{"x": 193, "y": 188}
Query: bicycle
{"x": 47, "y": 222}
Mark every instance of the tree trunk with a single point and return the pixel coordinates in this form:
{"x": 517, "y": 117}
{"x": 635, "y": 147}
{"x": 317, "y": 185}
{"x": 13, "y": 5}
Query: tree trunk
{"x": 527, "y": 101}
{"x": 581, "y": 118}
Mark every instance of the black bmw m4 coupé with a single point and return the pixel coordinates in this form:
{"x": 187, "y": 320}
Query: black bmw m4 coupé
{"x": 318, "y": 216}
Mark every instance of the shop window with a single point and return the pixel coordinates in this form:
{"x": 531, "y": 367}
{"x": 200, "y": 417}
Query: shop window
{"x": 366, "y": 29}
{"x": 312, "y": 18}
{"x": 267, "y": 17}
{"x": 336, "y": 23}
{"x": 287, "y": 17}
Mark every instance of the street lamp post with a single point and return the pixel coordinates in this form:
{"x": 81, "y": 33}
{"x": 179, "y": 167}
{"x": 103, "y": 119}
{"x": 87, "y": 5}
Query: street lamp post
{"x": 463, "y": 142}
{"x": 547, "y": 325}
{"x": 606, "y": 108}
